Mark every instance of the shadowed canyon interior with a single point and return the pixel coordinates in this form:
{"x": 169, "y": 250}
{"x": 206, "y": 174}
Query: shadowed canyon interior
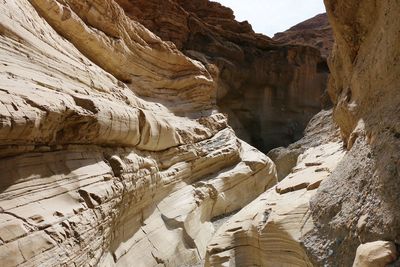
{"x": 269, "y": 88}
{"x": 127, "y": 130}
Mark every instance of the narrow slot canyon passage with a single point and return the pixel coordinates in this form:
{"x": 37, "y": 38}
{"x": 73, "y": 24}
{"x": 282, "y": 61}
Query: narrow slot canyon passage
{"x": 184, "y": 133}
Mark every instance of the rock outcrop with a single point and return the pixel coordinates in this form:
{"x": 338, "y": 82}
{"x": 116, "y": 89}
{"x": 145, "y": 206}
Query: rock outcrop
{"x": 356, "y": 204}
{"x": 359, "y": 203}
{"x": 320, "y": 130}
{"x": 269, "y": 230}
{"x": 111, "y": 149}
{"x": 315, "y": 32}
{"x": 113, "y": 152}
{"x": 375, "y": 254}
{"x": 268, "y": 89}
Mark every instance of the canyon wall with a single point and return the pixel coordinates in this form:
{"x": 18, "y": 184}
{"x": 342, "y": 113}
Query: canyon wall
{"x": 268, "y": 231}
{"x": 112, "y": 151}
{"x": 353, "y": 217}
{"x": 359, "y": 203}
{"x": 315, "y": 32}
{"x": 269, "y": 89}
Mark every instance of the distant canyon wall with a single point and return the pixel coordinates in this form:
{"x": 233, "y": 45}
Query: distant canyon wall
{"x": 315, "y": 32}
{"x": 270, "y": 89}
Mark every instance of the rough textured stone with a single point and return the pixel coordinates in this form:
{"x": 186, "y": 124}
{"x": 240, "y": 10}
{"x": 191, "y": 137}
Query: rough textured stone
{"x": 269, "y": 90}
{"x": 268, "y": 231}
{"x": 320, "y": 130}
{"x": 314, "y": 32}
{"x": 375, "y": 254}
{"x": 359, "y": 203}
{"x": 111, "y": 152}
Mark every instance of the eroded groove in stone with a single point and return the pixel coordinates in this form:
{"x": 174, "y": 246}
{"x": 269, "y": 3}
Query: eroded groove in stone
{"x": 88, "y": 167}
{"x": 269, "y": 87}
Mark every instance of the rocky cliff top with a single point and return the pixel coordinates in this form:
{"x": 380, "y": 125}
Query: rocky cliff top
{"x": 315, "y": 32}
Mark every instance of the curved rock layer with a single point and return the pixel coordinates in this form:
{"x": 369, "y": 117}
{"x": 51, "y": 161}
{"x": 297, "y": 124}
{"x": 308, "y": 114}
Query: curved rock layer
{"x": 269, "y": 90}
{"x": 268, "y": 231}
{"x": 359, "y": 203}
{"x": 97, "y": 167}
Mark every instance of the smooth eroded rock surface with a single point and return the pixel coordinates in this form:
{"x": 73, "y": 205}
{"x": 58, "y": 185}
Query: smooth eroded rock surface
{"x": 111, "y": 150}
{"x": 269, "y": 90}
{"x": 375, "y": 254}
{"x": 268, "y": 231}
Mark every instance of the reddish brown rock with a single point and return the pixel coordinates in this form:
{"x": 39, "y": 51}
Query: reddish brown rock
{"x": 315, "y": 32}
{"x": 269, "y": 90}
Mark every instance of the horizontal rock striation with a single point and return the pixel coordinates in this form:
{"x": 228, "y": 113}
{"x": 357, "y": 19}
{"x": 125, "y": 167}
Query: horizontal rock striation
{"x": 268, "y": 231}
{"x": 131, "y": 53}
{"x": 269, "y": 90}
{"x": 111, "y": 151}
{"x": 315, "y": 32}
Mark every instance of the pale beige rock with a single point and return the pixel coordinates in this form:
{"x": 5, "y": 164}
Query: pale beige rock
{"x": 95, "y": 172}
{"x": 268, "y": 231}
{"x": 313, "y": 166}
{"x": 131, "y": 53}
{"x": 364, "y": 87}
{"x": 375, "y": 254}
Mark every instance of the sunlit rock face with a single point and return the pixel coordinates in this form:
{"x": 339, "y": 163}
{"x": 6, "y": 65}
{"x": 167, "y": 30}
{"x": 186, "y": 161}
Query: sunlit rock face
{"x": 359, "y": 203}
{"x": 270, "y": 90}
{"x": 111, "y": 153}
{"x": 268, "y": 231}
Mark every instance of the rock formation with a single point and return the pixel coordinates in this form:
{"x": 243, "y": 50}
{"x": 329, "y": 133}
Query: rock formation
{"x": 267, "y": 232}
{"x": 375, "y": 254}
{"x": 359, "y": 203}
{"x": 269, "y": 90}
{"x": 356, "y": 205}
{"x": 315, "y": 32}
{"x": 111, "y": 149}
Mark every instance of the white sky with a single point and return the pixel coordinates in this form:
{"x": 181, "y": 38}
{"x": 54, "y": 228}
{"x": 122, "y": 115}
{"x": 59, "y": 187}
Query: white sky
{"x": 272, "y": 16}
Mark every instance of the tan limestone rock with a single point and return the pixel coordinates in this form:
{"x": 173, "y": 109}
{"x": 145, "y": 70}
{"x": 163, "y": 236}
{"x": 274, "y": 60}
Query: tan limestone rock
{"x": 375, "y": 254}
{"x": 111, "y": 150}
{"x": 268, "y": 231}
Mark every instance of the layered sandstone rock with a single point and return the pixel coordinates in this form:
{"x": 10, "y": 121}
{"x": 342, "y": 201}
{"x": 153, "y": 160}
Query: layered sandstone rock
{"x": 359, "y": 203}
{"x": 111, "y": 152}
{"x": 268, "y": 231}
{"x": 320, "y": 130}
{"x": 270, "y": 91}
{"x": 315, "y": 32}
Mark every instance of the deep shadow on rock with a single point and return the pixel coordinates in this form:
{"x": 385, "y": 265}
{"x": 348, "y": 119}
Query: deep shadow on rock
{"x": 269, "y": 89}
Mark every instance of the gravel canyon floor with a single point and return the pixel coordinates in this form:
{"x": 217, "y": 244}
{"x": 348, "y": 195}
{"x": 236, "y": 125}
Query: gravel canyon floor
{"x": 135, "y": 133}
